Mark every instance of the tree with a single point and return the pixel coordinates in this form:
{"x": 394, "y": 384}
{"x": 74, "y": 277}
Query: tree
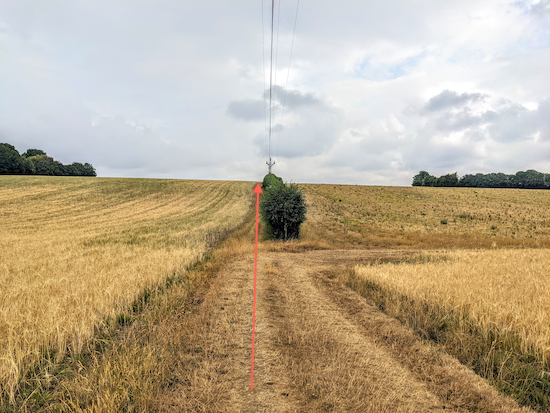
{"x": 448, "y": 180}
{"x": 467, "y": 180}
{"x": 418, "y": 180}
{"x": 271, "y": 179}
{"x": 33, "y": 152}
{"x": 35, "y": 161}
{"x": 522, "y": 179}
{"x": 45, "y": 165}
{"x": 88, "y": 170}
{"x": 77, "y": 169}
{"x": 530, "y": 179}
{"x": 11, "y": 162}
{"x": 424, "y": 179}
{"x": 283, "y": 209}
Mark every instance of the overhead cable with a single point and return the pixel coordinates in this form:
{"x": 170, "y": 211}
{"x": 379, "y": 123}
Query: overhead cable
{"x": 287, "y": 77}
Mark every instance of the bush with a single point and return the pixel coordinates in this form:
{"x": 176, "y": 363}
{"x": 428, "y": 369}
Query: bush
{"x": 283, "y": 210}
{"x": 271, "y": 179}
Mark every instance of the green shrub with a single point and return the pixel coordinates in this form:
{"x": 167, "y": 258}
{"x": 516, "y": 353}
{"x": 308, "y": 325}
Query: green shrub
{"x": 271, "y": 179}
{"x": 283, "y": 209}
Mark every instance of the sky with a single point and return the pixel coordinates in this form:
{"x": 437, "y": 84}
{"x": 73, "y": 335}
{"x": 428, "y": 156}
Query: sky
{"x": 364, "y": 92}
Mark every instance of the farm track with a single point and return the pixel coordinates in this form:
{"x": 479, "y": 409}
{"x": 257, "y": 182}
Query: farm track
{"x": 319, "y": 347}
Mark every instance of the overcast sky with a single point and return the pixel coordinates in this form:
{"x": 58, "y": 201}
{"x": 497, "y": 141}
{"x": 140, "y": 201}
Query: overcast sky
{"x": 377, "y": 91}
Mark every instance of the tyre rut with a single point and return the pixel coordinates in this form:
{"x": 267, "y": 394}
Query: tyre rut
{"x": 319, "y": 347}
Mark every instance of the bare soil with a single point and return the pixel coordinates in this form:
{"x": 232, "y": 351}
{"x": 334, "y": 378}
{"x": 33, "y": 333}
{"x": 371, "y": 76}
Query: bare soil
{"x": 319, "y": 346}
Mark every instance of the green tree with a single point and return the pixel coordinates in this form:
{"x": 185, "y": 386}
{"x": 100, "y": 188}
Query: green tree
{"x": 424, "y": 179}
{"x": 11, "y": 162}
{"x": 448, "y": 180}
{"x": 88, "y": 170}
{"x": 74, "y": 169}
{"x": 271, "y": 179}
{"x": 283, "y": 209}
{"x": 35, "y": 161}
{"x": 45, "y": 165}
{"x": 530, "y": 179}
{"x": 33, "y": 152}
{"x": 467, "y": 180}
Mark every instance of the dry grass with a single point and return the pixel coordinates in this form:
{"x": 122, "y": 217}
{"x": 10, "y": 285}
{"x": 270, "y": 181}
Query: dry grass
{"x": 75, "y": 252}
{"x": 336, "y": 352}
{"x": 421, "y": 217}
{"x": 489, "y": 308}
{"x": 330, "y": 364}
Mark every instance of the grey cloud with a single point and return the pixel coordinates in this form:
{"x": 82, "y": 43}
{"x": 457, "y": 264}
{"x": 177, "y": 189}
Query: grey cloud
{"x": 542, "y": 119}
{"x": 248, "y": 110}
{"x": 458, "y": 121}
{"x": 368, "y": 155}
{"x": 541, "y": 9}
{"x": 294, "y": 99}
{"x": 312, "y": 137}
{"x": 506, "y": 135}
{"x": 513, "y": 122}
{"x": 504, "y": 121}
{"x": 310, "y": 125}
{"x": 449, "y": 98}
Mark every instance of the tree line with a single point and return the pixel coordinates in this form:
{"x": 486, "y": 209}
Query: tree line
{"x": 529, "y": 179}
{"x": 37, "y": 162}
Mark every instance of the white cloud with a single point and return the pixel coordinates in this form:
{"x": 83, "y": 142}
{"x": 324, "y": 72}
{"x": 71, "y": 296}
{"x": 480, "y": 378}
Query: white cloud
{"x": 377, "y": 90}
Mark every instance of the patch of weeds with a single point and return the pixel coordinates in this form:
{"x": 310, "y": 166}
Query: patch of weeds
{"x": 124, "y": 319}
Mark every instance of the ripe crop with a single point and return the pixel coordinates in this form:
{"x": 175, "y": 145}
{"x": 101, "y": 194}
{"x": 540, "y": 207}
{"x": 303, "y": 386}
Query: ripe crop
{"x": 77, "y": 251}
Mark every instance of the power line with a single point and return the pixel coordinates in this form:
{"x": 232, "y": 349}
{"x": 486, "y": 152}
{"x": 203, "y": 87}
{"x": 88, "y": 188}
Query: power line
{"x": 287, "y": 77}
{"x": 263, "y": 64}
{"x": 270, "y": 164}
{"x": 277, "y": 42}
{"x": 272, "y": 78}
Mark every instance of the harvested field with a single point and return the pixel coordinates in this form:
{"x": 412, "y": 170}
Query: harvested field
{"x": 429, "y": 218}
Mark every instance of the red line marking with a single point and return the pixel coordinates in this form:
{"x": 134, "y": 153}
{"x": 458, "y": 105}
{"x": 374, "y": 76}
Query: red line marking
{"x": 257, "y": 191}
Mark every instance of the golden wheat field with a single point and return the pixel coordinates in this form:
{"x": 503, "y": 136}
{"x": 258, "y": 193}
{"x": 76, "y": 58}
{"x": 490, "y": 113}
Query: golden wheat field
{"x": 507, "y": 289}
{"x": 76, "y": 251}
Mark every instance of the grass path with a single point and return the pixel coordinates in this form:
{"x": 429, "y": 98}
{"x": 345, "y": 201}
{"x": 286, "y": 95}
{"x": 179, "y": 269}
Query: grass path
{"x": 319, "y": 347}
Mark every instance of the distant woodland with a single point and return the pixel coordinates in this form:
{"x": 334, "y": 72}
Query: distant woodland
{"x": 529, "y": 179}
{"x": 37, "y": 162}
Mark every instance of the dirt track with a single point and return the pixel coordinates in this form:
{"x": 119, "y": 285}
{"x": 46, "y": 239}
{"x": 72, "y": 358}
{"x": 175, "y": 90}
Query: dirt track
{"x": 319, "y": 347}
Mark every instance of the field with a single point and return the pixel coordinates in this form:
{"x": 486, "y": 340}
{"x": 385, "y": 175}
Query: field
{"x": 135, "y": 295}
{"x": 400, "y": 217}
{"x": 508, "y": 289}
{"x": 75, "y": 252}
{"x": 490, "y": 309}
